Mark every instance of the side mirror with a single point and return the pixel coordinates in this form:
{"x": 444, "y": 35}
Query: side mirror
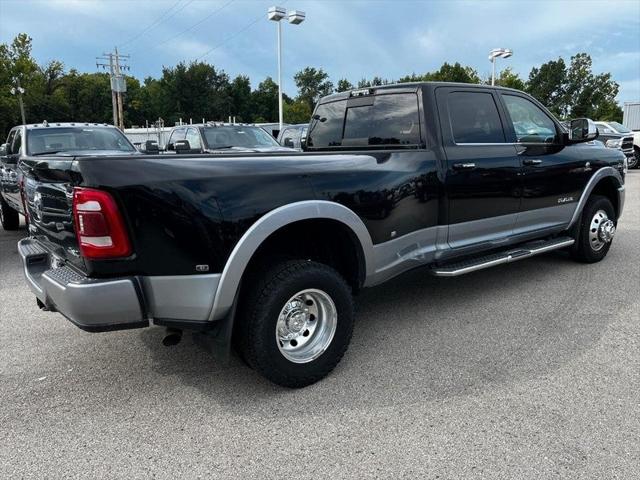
{"x": 182, "y": 146}
{"x": 150, "y": 147}
{"x": 288, "y": 142}
{"x": 3, "y": 150}
{"x": 303, "y": 141}
{"x": 582, "y": 130}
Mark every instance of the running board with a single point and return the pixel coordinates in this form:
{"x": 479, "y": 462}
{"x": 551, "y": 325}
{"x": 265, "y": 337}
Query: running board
{"x": 512, "y": 255}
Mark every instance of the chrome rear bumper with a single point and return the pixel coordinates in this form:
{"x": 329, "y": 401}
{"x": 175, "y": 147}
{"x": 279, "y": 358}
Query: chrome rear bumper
{"x": 92, "y": 304}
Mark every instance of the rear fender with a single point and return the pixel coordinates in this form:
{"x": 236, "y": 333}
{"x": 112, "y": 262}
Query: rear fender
{"x": 270, "y": 223}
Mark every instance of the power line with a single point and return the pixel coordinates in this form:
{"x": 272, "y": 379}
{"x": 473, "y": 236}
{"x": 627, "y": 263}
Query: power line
{"x": 159, "y": 20}
{"x": 233, "y": 35}
{"x": 196, "y": 24}
{"x": 243, "y": 29}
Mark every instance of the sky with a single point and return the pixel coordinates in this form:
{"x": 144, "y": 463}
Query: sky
{"x": 348, "y": 39}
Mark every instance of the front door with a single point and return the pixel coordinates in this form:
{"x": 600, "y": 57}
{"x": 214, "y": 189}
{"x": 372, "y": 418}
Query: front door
{"x": 482, "y": 179}
{"x": 9, "y": 169}
{"x": 553, "y": 174}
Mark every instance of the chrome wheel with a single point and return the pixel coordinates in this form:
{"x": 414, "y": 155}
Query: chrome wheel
{"x": 306, "y": 325}
{"x": 601, "y": 230}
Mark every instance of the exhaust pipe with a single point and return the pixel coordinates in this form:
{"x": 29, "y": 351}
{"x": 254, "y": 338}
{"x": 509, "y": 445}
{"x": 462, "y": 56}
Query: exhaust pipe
{"x": 172, "y": 337}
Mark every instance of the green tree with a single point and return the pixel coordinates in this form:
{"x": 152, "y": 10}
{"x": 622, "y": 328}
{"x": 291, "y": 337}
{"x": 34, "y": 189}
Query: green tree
{"x": 548, "y": 84}
{"x": 296, "y": 112}
{"x": 16, "y": 63}
{"x": 264, "y": 101}
{"x": 312, "y": 84}
{"x": 508, "y": 78}
{"x": 240, "y": 95}
{"x": 589, "y": 95}
{"x": 446, "y": 73}
{"x": 344, "y": 85}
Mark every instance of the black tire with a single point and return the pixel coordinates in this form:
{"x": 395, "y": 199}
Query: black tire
{"x": 583, "y": 250}
{"x": 9, "y": 218}
{"x": 260, "y": 309}
{"x": 634, "y": 162}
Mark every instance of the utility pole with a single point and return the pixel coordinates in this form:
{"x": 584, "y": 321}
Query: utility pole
{"x": 116, "y": 63}
{"x": 18, "y": 90}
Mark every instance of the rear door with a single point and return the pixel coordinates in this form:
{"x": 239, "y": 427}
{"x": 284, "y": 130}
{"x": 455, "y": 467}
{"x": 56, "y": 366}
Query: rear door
{"x": 482, "y": 176}
{"x": 553, "y": 174}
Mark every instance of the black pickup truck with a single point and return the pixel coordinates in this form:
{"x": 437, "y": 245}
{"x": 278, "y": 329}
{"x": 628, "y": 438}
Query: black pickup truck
{"x": 51, "y": 139}
{"x": 265, "y": 251}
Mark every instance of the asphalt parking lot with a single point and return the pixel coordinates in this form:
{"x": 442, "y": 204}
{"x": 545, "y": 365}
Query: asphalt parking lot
{"x": 530, "y": 370}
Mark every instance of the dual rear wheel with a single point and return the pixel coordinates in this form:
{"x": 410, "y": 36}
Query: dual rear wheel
{"x": 295, "y": 322}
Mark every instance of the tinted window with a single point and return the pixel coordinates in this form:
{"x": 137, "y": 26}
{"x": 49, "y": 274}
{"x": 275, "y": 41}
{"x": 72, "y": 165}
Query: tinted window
{"x": 382, "y": 120}
{"x": 474, "y": 118}
{"x": 193, "y": 138}
{"x": 325, "y": 129}
{"x": 47, "y": 140}
{"x": 530, "y": 123}
{"x": 238, "y": 136}
{"x": 391, "y": 120}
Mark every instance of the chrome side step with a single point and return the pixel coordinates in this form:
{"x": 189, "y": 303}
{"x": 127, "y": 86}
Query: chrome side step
{"x": 518, "y": 253}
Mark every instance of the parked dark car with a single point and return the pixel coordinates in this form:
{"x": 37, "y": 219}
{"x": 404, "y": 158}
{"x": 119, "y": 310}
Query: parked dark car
{"x": 51, "y": 139}
{"x": 294, "y": 136}
{"x": 214, "y": 138}
{"x": 266, "y": 250}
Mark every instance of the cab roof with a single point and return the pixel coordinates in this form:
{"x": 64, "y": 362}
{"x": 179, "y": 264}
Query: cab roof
{"x": 45, "y": 124}
{"x": 406, "y": 88}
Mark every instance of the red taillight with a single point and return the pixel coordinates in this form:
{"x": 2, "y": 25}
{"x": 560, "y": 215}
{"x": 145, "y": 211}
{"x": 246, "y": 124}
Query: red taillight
{"x": 99, "y": 226}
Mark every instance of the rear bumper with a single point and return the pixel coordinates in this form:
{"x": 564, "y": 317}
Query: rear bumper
{"x": 91, "y": 304}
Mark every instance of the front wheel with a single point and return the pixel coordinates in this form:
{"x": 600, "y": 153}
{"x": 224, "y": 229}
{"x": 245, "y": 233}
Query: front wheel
{"x": 597, "y": 229}
{"x": 296, "y": 322}
{"x": 9, "y": 218}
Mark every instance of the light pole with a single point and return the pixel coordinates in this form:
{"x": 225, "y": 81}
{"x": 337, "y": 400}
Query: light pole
{"x": 295, "y": 17}
{"x": 18, "y": 90}
{"x": 495, "y": 53}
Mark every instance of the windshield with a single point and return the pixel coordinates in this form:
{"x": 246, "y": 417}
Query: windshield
{"x": 63, "y": 139}
{"x": 237, "y": 136}
{"x": 618, "y": 127}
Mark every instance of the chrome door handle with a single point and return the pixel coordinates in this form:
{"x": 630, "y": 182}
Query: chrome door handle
{"x": 531, "y": 161}
{"x": 464, "y": 166}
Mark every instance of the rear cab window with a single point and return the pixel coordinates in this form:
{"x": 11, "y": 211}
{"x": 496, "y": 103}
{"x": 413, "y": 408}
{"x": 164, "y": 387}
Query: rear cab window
{"x": 384, "y": 120}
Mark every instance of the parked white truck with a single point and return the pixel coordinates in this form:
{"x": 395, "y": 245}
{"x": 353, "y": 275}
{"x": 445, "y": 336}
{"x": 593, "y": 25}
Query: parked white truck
{"x": 631, "y": 120}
